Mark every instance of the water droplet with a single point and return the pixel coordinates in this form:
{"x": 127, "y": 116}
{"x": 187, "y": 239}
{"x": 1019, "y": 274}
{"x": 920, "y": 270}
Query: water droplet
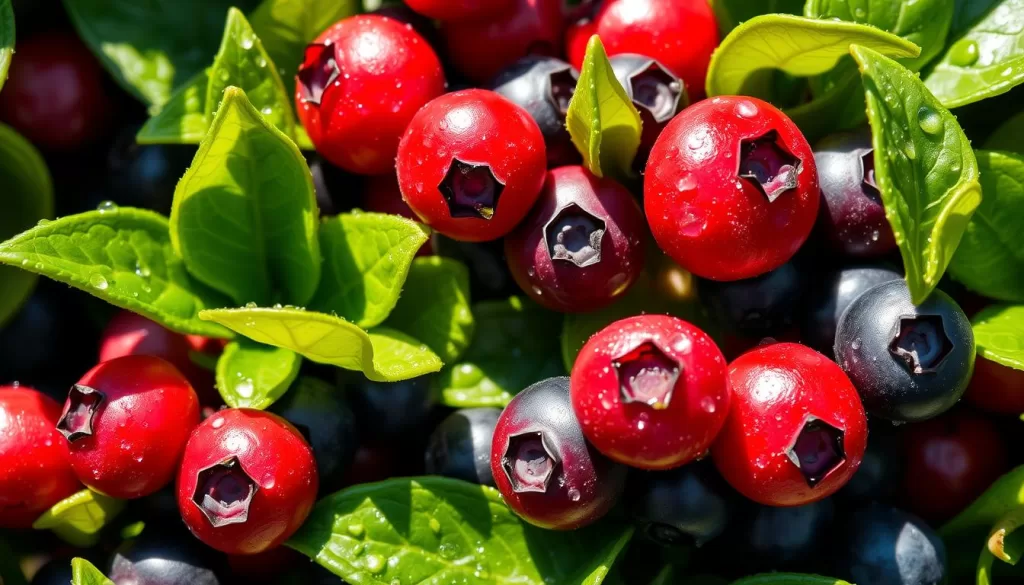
{"x": 746, "y": 109}
{"x": 250, "y": 305}
{"x": 218, "y": 422}
{"x": 244, "y": 388}
{"x": 708, "y": 405}
{"x": 42, "y": 222}
{"x": 247, "y": 43}
{"x": 693, "y": 222}
{"x": 261, "y": 62}
{"x": 855, "y": 344}
{"x": 142, "y": 271}
{"x": 875, "y": 235}
{"x": 435, "y": 526}
{"x": 1006, "y": 72}
{"x": 97, "y": 281}
{"x": 910, "y": 150}
{"x": 859, "y": 13}
{"x": 574, "y": 494}
{"x": 356, "y": 530}
{"x": 686, "y": 183}
{"x": 964, "y": 53}
{"x": 106, "y": 206}
{"x": 374, "y": 564}
{"x": 930, "y": 120}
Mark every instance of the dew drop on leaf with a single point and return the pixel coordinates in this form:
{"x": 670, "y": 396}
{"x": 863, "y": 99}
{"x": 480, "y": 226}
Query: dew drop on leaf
{"x": 930, "y": 121}
{"x": 97, "y": 281}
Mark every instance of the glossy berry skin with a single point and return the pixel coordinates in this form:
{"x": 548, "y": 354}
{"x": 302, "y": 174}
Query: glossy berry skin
{"x": 851, "y": 213}
{"x": 909, "y": 363}
{"x": 126, "y": 422}
{"x": 247, "y": 481}
{"x": 526, "y": 27}
{"x": 543, "y": 87}
{"x": 682, "y": 507}
{"x": 656, "y": 93}
{"x": 160, "y": 559}
{"x": 650, "y": 391}
{"x": 35, "y": 471}
{"x": 543, "y": 466}
{"x": 145, "y": 175}
{"x": 996, "y": 388}
{"x": 774, "y": 538}
{"x": 887, "y": 546}
{"x": 951, "y": 460}
{"x": 471, "y": 164}
{"x": 829, "y": 298}
{"x": 448, "y": 10}
{"x": 582, "y": 245}
{"x": 756, "y": 307}
{"x": 577, "y": 36}
{"x": 390, "y": 411}
{"x": 680, "y": 34}
{"x": 460, "y": 446}
{"x": 731, "y": 191}
{"x": 54, "y": 95}
{"x": 796, "y": 432}
{"x": 360, "y": 84}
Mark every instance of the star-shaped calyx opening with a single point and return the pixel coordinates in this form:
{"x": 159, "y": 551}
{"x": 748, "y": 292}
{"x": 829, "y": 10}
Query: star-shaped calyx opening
{"x": 76, "y": 421}
{"x": 471, "y": 190}
{"x": 529, "y": 462}
{"x": 920, "y": 342}
{"x": 656, "y": 90}
{"x": 817, "y": 450}
{"x": 224, "y": 492}
{"x": 319, "y": 70}
{"x": 575, "y": 235}
{"x": 767, "y": 165}
{"x": 562, "y": 85}
{"x": 647, "y": 376}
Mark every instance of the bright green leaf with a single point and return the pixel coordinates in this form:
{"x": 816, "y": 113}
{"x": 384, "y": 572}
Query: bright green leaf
{"x": 366, "y": 260}
{"x": 999, "y": 334}
{"x": 251, "y": 375}
{"x": 730, "y": 13}
{"x": 123, "y": 256}
{"x": 515, "y": 345}
{"x": 794, "y": 44}
{"x": 410, "y": 531}
{"x": 78, "y": 518}
{"x": 990, "y": 260}
{"x": 788, "y": 579}
{"x": 85, "y": 573}
{"x": 973, "y": 526}
{"x": 182, "y": 120}
{"x": 6, "y": 38}
{"x": 384, "y": 355}
{"x": 245, "y": 216}
{"x": 434, "y": 307}
{"x": 1008, "y": 136}
{"x": 924, "y": 166}
{"x": 602, "y": 121}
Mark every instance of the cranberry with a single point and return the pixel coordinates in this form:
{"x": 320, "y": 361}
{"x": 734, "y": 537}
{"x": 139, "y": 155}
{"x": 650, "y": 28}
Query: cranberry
{"x": 577, "y": 36}
{"x": 382, "y": 195}
{"x": 35, "y": 471}
{"x": 543, "y": 466}
{"x": 126, "y": 422}
{"x": 731, "y": 191}
{"x": 996, "y": 388}
{"x": 650, "y": 391}
{"x": 480, "y": 48}
{"x": 582, "y": 246}
{"x": 797, "y": 430}
{"x": 361, "y": 82}
{"x": 247, "y": 481}
{"x": 54, "y": 95}
{"x": 445, "y": 10}
{"x": 471, "y": 164}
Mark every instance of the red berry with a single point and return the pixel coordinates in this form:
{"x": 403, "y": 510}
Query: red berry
{"x": 361, "y": 82}
{"x": 460, "y": 9}
{"x": 680, "y": 34}
{"x": 35, "y": 472}
{"x": 650, "y": 391}
{"x": 382, "y": 195}
{"x": 247, "y": 481}
{"x": 996, "y": 388}
{"x": 126, "y": 422}
{"x": 472, "y": 164}
{"x": 54, "y": 95}
{"x": 731, "y": 190}
{"x": 577, "y": 36}
{"x": 950, "y": 461}
{"x": 480, "y": 48}
{"x": 582, "y": 246}
{"x": 796, "y": 432}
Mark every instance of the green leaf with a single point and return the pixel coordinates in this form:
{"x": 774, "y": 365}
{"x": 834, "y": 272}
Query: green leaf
{"x": 1005, "y": 495}
{"x": 1007, "y": 136}
{"x": 999, "y": 334}
{"x": 366, "y": 259}
{"x": 986, "y": 60}
{"x": 152, "y": 47}
{"x": 27, "y": 198}
{"x": 383, "y": 355}
{"x": 78, "y": 518}
{"x": 924, "y": 166}
{"x": 10, "y": 570}
{"x": 730, "y": 13}
{"x": 515, "y": 345}
{"x": 788, "y": 579}
{"x": 123, "y": 256}
{"x": 182, "y": 120}
{"x": 602, "y": 121}
{"x": 251, "y": 375}
{"x": 245, "y": 216}
{"x": 440, "y": 530}
{"x": 841, "y": 106}
{"x": 434, "y": 307}
{"x": 794, "y": 44}
{"x": 990, "y": 260}
{"x": 6, "y": 38}
{"x": 85, "y": 573}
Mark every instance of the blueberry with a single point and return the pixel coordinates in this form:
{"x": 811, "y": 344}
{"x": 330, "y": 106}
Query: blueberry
{"x": 886, "y": 546}
{"x": 489, "y": 276}
{"x": 830, "y": 296}
{"x": 785, "y": 538}
{"x": 685, "y": 506}
{"x": 882, "y": 467}
{"x": 155, "y": 558}
{"x": 390, "y": 411}
{"x": 657, "y": 93}
{"x": 143, "y": 175}
{"x": 460, "y": 446}
{"x": 909, "y": 363}
{"x": 756, "y": 307}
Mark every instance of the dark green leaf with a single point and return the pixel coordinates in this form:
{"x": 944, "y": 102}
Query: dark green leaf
{"x": 967, "y": 12}
{"x": 85, "y": 573}
{"x": 730, "y": 13}
{"x": 182, "y": 120}
{"x": 841, "y": 106}
{"x": 788, "y": 579}
{"x": 10, "y": 570}
{"x": 383, "y": 355}
{"x": 999, "y": 334}
{"x": 6, "y": 38}
{"x": 434, "y": 307}
{"x": 990, "y": 259}
{"x": 123, "y": 256}
{"x": 27, "y": 198}
{"x": 366, "y": 260}
{"x": 78, "y": 518}
{"x": 515, "y": 345}
{"x": 251, "y": 375}
{"x": 1008, "y": 136}
{"x": 440, "y": 530}
{"x": 245, "y": 216}
{"x": 1005, "y": 495}
{"x": 924, "y": 166}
